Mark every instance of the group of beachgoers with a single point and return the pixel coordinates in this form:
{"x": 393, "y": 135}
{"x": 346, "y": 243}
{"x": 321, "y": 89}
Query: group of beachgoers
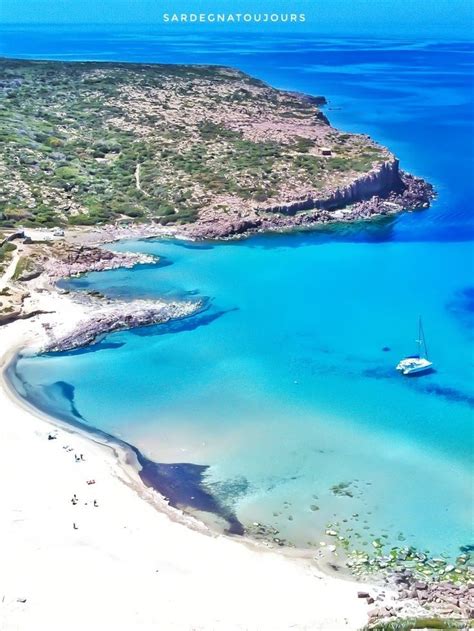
{"x": 78, "y": 458}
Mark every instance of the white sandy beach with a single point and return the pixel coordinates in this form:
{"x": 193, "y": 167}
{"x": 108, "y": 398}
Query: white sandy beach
{"x": 132, "y": 563}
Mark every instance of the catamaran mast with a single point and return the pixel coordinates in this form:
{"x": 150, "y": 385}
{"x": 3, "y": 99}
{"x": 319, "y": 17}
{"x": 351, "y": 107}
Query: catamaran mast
{"x": 421, "y": 336}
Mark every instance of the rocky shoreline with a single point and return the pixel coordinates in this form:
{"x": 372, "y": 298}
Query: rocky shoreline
{"x": 103, "y": 316}
{"x": 94, "y": 315}
{"x": 70, "y": 259}
{"x": 408, "y": 583}
{"x": 254, "y": 159}
{"x": 383, "y": 191}
{"x": 423, "y": 584}
{"x": 410, "y": 193}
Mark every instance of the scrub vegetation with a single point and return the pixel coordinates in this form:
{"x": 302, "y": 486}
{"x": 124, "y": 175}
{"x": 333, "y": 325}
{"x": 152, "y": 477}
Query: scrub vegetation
{"x": 94, "y": 143}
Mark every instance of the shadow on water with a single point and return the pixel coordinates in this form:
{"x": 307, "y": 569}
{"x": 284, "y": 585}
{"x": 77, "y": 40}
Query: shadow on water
{"x": 186, "y": 324}
{"x": 423, "y": 385}
{"x": 94, "y": 348}
{"x": 371, "y": 231}
{"x": 192, "y": 245}
{"x": 379, "y": 373}
{"x": 452, "y": 394}
{"x": 420, "y": 375}
{"x": 182, "y": 484}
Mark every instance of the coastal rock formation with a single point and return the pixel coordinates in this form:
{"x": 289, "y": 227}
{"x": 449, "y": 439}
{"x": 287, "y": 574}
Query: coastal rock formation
{"x": 18, "y": 314}
{"x": 103, "y": 316}
{"x": 29, "y": 272}
{"x": 441, "y": 597}
{"x": 46, "y": 261}
{"x": 379, "y": 181}
{"x": 385, "y": 190}
{"x": 65, "y": 259}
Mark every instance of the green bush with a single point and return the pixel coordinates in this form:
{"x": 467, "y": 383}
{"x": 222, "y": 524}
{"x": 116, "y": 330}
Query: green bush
{"x": 66, "y": 173}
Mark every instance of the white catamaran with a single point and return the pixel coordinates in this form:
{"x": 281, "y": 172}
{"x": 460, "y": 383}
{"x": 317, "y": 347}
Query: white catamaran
{"x": 417, "y": 363}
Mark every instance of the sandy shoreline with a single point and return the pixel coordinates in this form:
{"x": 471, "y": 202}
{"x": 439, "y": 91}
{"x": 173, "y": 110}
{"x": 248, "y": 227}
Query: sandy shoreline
{"x": 132, "y": 561}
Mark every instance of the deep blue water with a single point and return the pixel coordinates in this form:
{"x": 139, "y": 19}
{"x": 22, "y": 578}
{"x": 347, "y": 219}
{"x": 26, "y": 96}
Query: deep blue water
{"x": 281, "y": 386}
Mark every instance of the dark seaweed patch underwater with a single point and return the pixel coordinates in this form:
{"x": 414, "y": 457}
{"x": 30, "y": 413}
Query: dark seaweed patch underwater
{"x": 182, "y": 484}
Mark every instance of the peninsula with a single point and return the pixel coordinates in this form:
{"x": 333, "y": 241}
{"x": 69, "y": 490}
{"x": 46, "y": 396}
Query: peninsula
{"x": 208, "y": 148}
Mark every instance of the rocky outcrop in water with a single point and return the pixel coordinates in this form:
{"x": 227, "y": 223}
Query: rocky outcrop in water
{"x": 105, "y": 316}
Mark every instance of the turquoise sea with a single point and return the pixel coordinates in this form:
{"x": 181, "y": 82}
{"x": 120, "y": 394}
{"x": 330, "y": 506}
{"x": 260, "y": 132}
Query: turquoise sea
{"x": 281, "y": 386}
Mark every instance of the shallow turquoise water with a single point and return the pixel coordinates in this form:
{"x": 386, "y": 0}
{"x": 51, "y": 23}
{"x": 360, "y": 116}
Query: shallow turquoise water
{"x": 287, "y": 391}
{"x": 281, "y": 386}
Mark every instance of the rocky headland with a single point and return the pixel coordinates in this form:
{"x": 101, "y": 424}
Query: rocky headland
{"x": 204, "y": 150}
{"x": 383, "y": 191}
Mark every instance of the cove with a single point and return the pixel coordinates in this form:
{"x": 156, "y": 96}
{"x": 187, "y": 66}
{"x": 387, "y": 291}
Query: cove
{"x": 283, "y": 391}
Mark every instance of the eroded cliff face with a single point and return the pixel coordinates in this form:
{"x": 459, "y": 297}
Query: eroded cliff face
{"x": 380, "y": 181}
{"x": 384, "y": 190}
